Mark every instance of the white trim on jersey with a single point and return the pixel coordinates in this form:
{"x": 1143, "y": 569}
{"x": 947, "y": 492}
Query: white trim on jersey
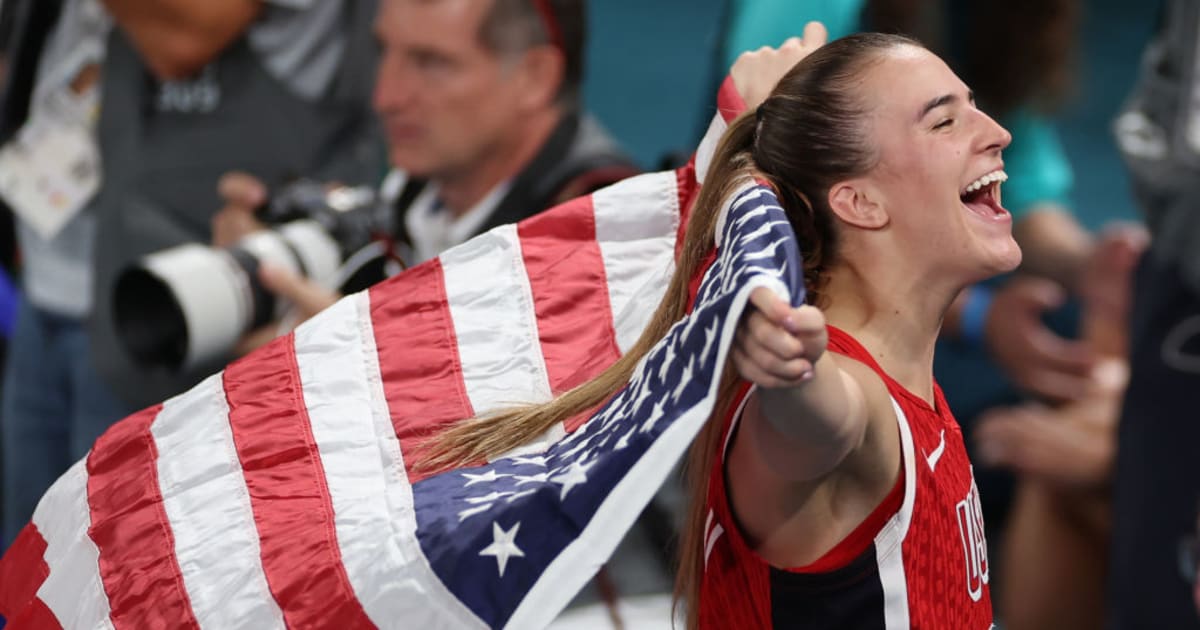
{"x": 889, "y": 543}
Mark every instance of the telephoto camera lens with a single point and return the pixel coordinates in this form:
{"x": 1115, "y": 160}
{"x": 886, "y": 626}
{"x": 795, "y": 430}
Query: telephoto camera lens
{"x": 184, "y": 306}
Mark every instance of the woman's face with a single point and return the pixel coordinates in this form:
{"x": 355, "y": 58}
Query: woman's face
{"x": 939, "y": 170}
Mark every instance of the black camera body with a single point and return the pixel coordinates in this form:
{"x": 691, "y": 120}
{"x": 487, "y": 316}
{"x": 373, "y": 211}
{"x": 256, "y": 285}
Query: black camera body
{"x": 185, "y": 305}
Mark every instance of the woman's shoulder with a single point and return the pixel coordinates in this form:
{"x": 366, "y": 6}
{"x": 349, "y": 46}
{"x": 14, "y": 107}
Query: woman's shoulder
{"x": 855, "y": 360}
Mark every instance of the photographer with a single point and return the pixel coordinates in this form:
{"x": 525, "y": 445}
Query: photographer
{"x": 151, "y": 111}
{"x": 481, "y": 106}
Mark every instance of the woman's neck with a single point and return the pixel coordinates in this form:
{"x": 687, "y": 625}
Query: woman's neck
{"x": 896, "y": 319}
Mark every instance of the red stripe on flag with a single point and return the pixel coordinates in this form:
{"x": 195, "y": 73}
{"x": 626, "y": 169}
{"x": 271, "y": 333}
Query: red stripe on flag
{"x": 687, "y": 190}
{"x": 418, "y": 357}
{"x": 570, "y": 294}
{"x": 729, "y": 101}
{"x": 35, "y": 616}
{"x": 288, "y": 493}
{"x": 129, "y": 526}
{"x": 22, "y": 571}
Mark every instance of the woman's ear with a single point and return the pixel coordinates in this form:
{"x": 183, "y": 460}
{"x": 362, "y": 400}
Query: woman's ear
{"x": 856, "y": 203}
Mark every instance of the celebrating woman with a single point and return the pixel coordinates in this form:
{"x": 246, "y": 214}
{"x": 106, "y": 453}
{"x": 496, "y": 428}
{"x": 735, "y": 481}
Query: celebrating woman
{"x": 831, "y": 488}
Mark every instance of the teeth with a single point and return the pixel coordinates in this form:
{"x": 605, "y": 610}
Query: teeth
{"x": 994, "y": 176}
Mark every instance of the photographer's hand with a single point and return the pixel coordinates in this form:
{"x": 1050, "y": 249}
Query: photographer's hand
{"x": 243, "y": 194}
{"x": 306, "y": 297}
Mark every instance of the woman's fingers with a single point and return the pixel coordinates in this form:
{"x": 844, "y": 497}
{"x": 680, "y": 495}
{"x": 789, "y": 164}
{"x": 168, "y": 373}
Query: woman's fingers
{"x": 776, "y": 345}
{"x": 815, "y": 34}
{"x": 762, "y": 332}
{"x": 771, "y": 373}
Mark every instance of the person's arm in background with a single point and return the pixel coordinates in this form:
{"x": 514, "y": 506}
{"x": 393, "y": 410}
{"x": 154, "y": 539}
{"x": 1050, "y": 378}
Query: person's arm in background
{"x": 177, "y": 38}
{"x": 1060, "y": 259}
{"x": 1053, "y": 244}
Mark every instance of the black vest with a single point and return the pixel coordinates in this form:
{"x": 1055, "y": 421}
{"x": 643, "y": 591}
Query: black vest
{"x": 164, "y": 148}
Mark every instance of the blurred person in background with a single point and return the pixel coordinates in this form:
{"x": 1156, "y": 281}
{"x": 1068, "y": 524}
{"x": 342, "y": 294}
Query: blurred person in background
{"x": 481, "y": 107}
{"x": 1157, "y": 483}
{"x": 131, "y": 109}
{"x": 480, "y": 101}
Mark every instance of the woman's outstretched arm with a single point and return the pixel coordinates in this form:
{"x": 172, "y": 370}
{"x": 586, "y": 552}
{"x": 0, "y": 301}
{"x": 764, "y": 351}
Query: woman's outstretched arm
{"x": 812, "y": 408}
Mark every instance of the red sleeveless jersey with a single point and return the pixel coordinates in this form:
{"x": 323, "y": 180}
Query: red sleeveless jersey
{"x": 919, "y": 561}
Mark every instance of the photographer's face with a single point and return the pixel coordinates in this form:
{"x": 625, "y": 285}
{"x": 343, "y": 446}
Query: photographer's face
{"x": 445, "y": 100}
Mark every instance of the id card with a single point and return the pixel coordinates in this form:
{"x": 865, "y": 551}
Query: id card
{"x": 48, "y": 173}
{"x": 51, "y": 168}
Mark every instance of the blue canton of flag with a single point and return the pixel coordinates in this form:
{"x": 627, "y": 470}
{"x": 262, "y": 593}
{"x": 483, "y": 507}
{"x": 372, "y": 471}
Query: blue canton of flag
{"x": 515, "y": 539}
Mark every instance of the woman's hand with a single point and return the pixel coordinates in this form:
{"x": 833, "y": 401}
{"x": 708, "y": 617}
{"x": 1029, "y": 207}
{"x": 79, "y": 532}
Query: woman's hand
{"x": 777, "y": 345}
{"x": 755, "y": 73}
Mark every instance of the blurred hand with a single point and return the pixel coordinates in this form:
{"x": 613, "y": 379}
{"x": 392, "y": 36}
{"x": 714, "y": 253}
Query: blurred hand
{"x": 756, "y": 73}
{"x": 306, "y": 297}
{"x": 1072, "y": 446}
{"x": 243, "y": 194}
{"x": 1033, "y": 356}
{"x": 1106, "y": 277}
{"x": 777, "y": 345}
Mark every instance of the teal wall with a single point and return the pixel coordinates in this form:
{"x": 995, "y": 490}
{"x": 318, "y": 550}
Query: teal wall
{"x": 652, "y": 69}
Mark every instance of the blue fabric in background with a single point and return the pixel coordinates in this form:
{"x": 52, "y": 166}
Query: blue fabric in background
{"x": 10, "y": 298}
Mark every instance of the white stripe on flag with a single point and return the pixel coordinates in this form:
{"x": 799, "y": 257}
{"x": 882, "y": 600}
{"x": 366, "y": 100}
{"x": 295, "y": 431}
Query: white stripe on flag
{"x": 208, "y": 507}
{"x": 636, "y": 224}
{"x": 708, "y": 146}
{"x": 491, "y": 306}
{"x": 73, "y": 591}
{"x": 372, "y": 503}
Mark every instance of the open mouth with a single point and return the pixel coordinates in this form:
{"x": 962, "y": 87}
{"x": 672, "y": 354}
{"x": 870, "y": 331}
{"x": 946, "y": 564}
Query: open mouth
{"x": 982, "y": 196}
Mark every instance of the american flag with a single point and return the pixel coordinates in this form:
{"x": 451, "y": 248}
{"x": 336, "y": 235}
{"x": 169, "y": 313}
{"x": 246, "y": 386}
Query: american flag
{"x": 280, "y": 492}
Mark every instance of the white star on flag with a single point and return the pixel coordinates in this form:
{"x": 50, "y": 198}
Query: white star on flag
{"x": 624, "y": 441}
{"x": 666, "y": 364}
{"x": 643, "y": 393}
{"x": 768, "y": 252}
{"x": 486, "y": 499}
{"x": 540, "y": 460}
{"x": 538, "y": 478}
{"x": 576, "y": 474}
{"x": 469, "y": 512}
{"x": 656, "y": 414}
{"x": 503, "y": 546}
{"x": 710, "y": 336}
{"x": 518, "y": 495}
{"x": 684, "y": 379}
{"x": 488, "y": 477}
